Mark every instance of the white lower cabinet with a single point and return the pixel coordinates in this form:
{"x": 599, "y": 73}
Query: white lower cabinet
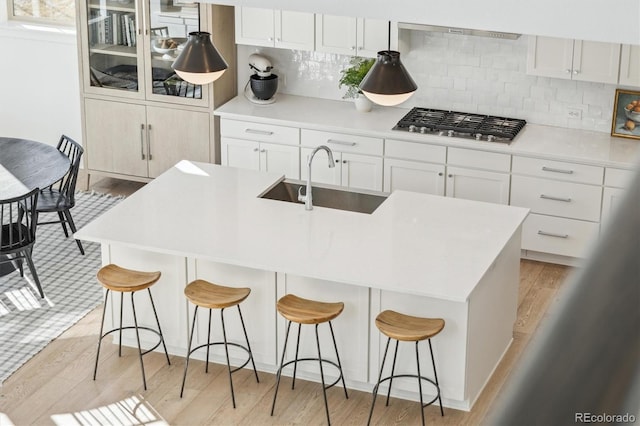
{"x": 259, "y": 146}
{"x": 412, "y": 166}
{"x": 478, "y": 185}
{"x": 616, "y": 181}
{"x": 358, "y": 159}
{"x": 351, "y": 170}
{"x": 565, "y": 202}
{"x": 413, "y": 176}
{"x": 558, "y": 235}
{"x": 261, "y": 156}
{"x": 478, "y": 175}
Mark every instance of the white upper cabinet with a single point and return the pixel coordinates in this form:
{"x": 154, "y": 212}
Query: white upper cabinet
{"x": 573, "y": 59}
{"x": 352, "y": 36}
{"x": 630, "y": 65}
{"x": 275, "y": 28}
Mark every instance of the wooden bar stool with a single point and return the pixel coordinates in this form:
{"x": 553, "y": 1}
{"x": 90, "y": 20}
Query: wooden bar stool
{"x": 212, "y": 296}
{"x": 407, "y": 328}
{"x": 303, "y": 311}
{"x": 121, "y": 280}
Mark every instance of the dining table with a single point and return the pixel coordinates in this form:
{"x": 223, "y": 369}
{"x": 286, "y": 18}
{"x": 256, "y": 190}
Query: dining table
{"x": 25, "y": 165}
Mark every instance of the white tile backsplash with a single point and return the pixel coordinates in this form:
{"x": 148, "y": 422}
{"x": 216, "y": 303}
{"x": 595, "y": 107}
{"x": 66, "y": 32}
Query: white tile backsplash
{"x": 465, "y": 73}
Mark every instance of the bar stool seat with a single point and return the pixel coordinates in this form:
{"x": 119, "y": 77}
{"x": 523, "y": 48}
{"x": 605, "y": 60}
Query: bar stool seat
{"x": 205, "y": 294}
{"x": 305, "y": 311}
{"x": 121, "y": 280}
{"x": 407, "y": 328}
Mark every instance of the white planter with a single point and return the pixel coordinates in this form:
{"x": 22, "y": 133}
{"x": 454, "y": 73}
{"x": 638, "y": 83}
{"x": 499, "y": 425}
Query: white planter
{"x": 363, "y": 104}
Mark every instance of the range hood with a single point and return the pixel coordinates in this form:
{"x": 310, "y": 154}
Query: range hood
{"x": 459, "y": 31}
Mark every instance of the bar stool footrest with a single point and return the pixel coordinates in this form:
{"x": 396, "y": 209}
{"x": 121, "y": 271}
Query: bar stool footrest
{"x": 411, "y": 376}
{"x": 131, "y": 327}
{"x": 237, "y": 345}
{"x": 328, "y": 361}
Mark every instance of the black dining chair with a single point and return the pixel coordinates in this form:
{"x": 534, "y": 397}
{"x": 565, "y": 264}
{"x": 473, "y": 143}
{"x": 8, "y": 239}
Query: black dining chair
{"x": 18, "y": 232}
{"x": 60, "y": 197}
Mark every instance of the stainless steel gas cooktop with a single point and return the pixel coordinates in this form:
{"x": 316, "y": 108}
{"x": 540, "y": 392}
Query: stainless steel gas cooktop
{"x": 460, "y": 124}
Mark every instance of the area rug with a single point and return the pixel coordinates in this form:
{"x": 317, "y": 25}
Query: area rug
{"x": 27, "y": 322}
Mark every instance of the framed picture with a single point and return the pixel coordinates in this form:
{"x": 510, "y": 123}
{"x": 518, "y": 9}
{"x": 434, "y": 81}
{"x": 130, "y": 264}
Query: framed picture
{"x": 626, "y": 114}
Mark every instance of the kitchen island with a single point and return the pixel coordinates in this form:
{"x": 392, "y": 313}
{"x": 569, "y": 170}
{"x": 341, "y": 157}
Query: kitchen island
{"x": 419, "y": 254}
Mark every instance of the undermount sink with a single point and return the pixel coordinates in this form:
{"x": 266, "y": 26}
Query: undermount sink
{"x": 325, "y": 196}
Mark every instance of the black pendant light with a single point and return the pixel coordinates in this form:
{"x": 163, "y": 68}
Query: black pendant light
{"x": 199, "y": 62}
{"x": 388, "y": 82}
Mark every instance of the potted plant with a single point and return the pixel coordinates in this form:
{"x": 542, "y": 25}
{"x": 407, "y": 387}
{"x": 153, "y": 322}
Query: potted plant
{"x": 351, "y": 78}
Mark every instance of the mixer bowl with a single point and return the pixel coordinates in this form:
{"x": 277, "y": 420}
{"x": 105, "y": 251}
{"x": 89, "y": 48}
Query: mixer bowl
{"x": 264, "y": 87}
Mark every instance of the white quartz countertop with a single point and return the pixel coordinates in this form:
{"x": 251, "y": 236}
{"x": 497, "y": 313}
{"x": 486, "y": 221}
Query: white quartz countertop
{"x": 557, "y": 143}
{"x": 413, "y": 243}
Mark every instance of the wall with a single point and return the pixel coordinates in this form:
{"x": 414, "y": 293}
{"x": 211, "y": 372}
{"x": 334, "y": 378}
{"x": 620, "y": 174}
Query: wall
{"x": 464, "y": 73}
{"x": 40, "y": 90}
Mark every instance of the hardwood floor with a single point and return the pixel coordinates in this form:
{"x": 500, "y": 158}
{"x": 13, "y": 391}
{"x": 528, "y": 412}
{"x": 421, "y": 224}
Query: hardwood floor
{"x": 56, "y": 386}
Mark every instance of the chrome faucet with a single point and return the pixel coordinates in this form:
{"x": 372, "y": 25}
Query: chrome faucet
{"x": 307, "y": 197}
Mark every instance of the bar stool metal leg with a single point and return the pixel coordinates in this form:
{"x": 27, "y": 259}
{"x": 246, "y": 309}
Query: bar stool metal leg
{"x": 420, "y": 384}
{"x": 375, "y": 388}
{"x": 324, "y": 388}
{"x": 153, "y": 305}
{"x": 279, "y": 374}
{"x": 226, "y": 350}
{"x": 104, "y": 310}
{"x": 435, "y": 376}
{"x": 393, "y": 370}
{"x": 120, "y": 332}
{"x": 135, "y": 322}
{"x": 335, "y": 346}
{"x": 206, "y": 366}
{"x": 246, "y": 336}
{"x": 295, "y": 364}
{"x": 186, "y": 365}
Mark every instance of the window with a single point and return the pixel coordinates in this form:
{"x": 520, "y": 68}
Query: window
{"x": 50, "y": 11}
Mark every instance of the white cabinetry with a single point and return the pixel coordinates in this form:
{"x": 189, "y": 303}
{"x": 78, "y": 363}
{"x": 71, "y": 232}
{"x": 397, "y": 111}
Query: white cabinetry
{"x": 275, "y": 28}
{"x": 414, "y": 167}
{"x": 358, "y": 159}
{"x": 564, "y": 199}
{"x": 352, "y": 36}
{"x": 478, "y": 175}
{"x": 260, "y": 146}
{"x": 573, "y": 59}
{"x": 615, "y": 183}
{"x": 630, "y": 65}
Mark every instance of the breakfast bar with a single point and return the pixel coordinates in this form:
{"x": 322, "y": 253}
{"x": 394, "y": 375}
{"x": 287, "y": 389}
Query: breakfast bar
{"x": 419, "y": 254}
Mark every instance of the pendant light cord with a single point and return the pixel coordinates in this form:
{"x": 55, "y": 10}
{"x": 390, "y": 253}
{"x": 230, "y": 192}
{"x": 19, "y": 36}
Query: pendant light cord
{"x": 389, "y": 37}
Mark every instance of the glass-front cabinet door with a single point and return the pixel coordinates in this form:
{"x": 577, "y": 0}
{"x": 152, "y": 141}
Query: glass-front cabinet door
{"x": 128, "y": 47}
{"x": 170, "y": 22}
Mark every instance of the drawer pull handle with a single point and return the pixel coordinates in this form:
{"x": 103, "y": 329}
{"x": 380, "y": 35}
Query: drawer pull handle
{"x": 337, "y": 142}
{"x": 554, "y": 170}
{"x": 549, "y": 197}
{"x": 552, "y": 234}
{"x": 258, "y": 132}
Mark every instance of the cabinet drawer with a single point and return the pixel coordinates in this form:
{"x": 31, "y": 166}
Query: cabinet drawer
{"x": 415, "y": 151}
{"x": 566, "y": 199}
{"x": 259, "y": 132}
{"x": 479, "y": 159}
{"x": 558, "y": 170}
{"x": 342, "y": 142}
{"x": 556, "y": 235}
{"x": 617, "y": 178}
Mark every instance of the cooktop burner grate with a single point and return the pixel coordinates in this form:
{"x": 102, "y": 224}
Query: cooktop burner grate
{"x": 460, "y": 124}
